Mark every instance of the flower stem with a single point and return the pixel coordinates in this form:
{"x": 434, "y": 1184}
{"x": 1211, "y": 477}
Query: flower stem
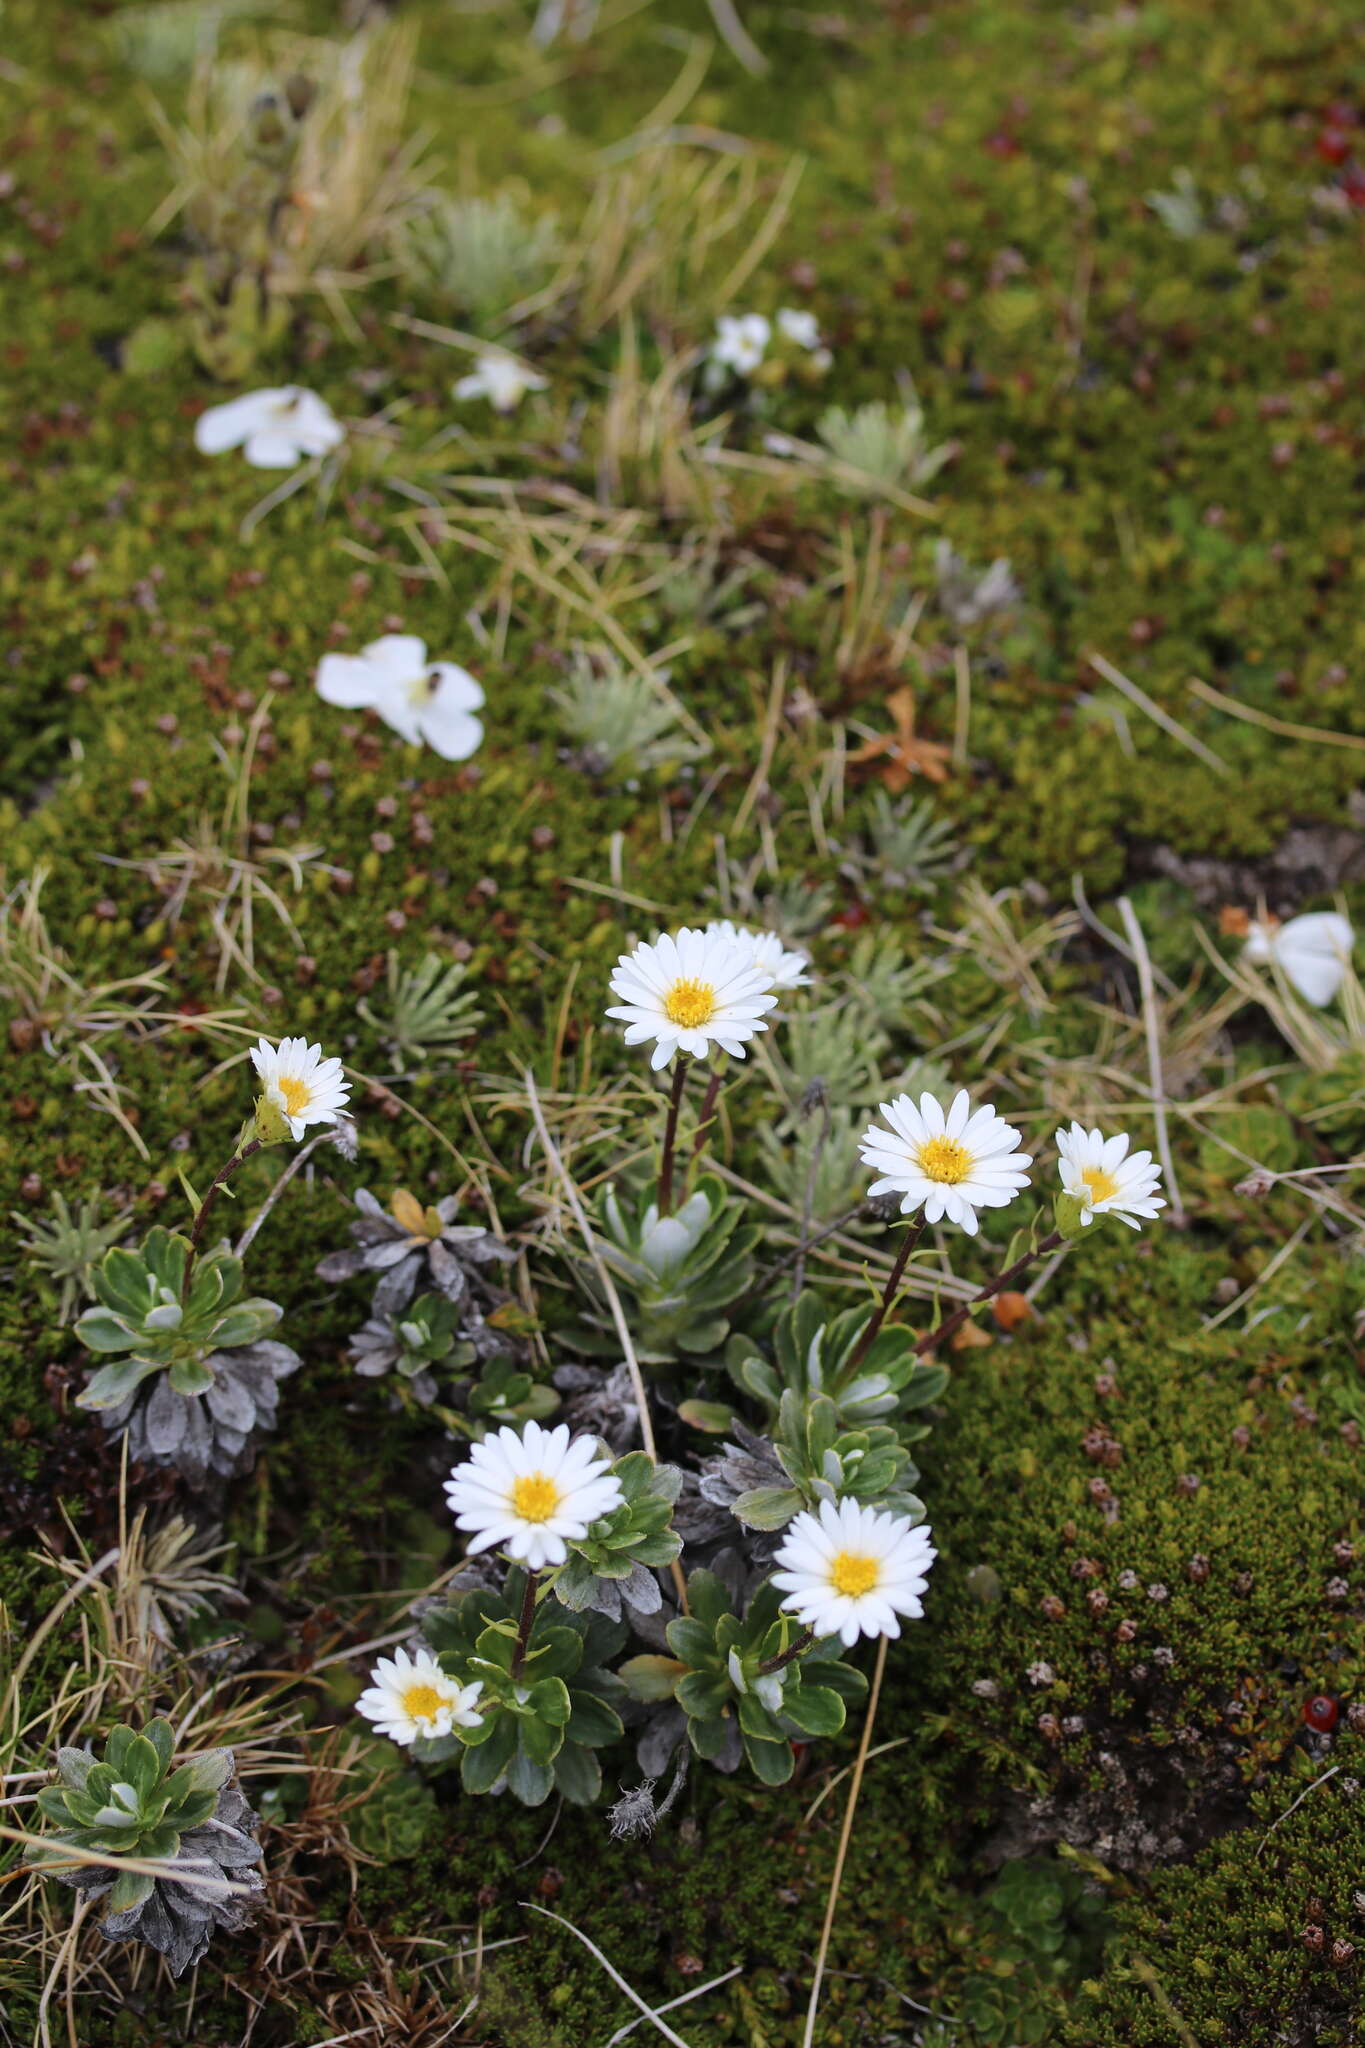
{"x": 880, "y": 1313}
{"x": 845, "y": 1833}
{"x": 671, "y": 1138}
{"x": 528, "y": 1615}
{"x": 933, "y": 1338}
{"x": 708, "y": 1112}
{"x": 789, "y": 1655}
{"x": 201, "y": 1218}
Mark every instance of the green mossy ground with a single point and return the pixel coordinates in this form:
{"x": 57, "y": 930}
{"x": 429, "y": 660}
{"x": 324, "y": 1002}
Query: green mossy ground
{"x": 1163, "y": 437}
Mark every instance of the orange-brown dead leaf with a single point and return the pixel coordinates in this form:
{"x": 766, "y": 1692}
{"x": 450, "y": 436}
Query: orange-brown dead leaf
{"x": 1011, "y": 1309}
{"x": 901, "y": 753}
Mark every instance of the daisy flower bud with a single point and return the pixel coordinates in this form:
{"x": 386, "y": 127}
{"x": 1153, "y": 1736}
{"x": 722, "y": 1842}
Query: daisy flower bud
{"x": 850, "y": 1570}
{"x": 528, "y": 1492}
{"x": 298, "y": 1087}
{"x": 1105, "y": 1179}
{"x": 949, "y": 1162}
{"x": 411, "y": 1699}
{"x": 690, "y": 991}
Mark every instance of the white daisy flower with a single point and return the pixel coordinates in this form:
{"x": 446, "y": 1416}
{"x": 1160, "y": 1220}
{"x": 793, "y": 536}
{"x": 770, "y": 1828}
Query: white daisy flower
{"x": 411, "y": 1699}
{"x": 798, "y": 327}
{"x": 275, "y": 429}
{"x": 689, "y": 991}
{"x": 1105, "y": 1178}
{"x": 527, "y": 1492}
{"x": 741, "y": 342}
{"x": 501, "y": 379}
{"x": 298, "y": 1082}
{"x": 1312, "y": 952}
{"x": 429, "y": 703}
{"x": 952, "y": 1162}
{"x": 850, "y": 1570}
{"x": 766, "y": 951}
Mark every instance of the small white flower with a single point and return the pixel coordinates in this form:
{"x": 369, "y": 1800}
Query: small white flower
{"x": 766, "y": 951}
{"x": 1107, "y": 1179}
{"x": 298, "y": 1082}
{"x": 1312, "y": 952}
{"x": 412, "y": 1699}
{"x": 275, "y": 429}
{"x": 801, "y": 328}
{"x": 502, "y": 380}
{"x": 689, "y": 991}
{"x": 741, "y": 342}
{"x": 850, "y": 1570}
{"x": 528, "y": 1492}
{"x": 952, "y": 1162}
{"x": 427, "y": 702}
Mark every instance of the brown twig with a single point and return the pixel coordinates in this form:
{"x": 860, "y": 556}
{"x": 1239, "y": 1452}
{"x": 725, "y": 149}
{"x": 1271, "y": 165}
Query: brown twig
{"x": 933, "y": 1338}
{"x": 671, "y": 1138}
{"x": 869, "y": 1337}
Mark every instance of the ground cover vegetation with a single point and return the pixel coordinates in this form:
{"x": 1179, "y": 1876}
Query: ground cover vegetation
{"x": 683, "y": 1341}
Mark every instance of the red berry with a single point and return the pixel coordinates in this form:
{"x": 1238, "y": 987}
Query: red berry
{"x": 1321, "y": 1713}
{"x": 1334, "y": 145}
{"x": 853, "y": 914}
{"x": 1353, "y": 184}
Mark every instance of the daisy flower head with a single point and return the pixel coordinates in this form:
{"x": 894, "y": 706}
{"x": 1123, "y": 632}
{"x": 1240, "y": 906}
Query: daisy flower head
{"x": 501, "y": 379}
{"x": 411, "y": 1699}
{"x": 1312, "y": 952}
{"x": 428, "y": 703}
{"x": 950, "y": 1162}
{"x": 1106, "y": 1178}
{"x": 765, "y": 949}
{"x": 526, "y": 1493}
{"x": 850, "y": 1570}
{"x": 275, "y": 429}
{"x": 299, "y": 1084}
{"x": 799, "y": 327}
{"x": 690, "y": 991}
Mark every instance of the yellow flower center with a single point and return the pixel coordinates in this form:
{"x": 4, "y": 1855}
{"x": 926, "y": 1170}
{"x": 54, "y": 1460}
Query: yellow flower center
{"x": 1102, "y": 1185}
{"x": 943, "y": 1159}
{"x": 853, "y": 1574}
{"x": 690, "y": 1004}
{"x": 535, "y": 1498}
{"x": 420, "y": 1702}
{"x": 294, "y": 1094}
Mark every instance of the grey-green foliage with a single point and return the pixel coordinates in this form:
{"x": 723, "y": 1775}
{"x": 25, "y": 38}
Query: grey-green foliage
{"x": 913, "y": 844}
{"x": 429, "y": 1010}
{"x": 829, "y": 1143}
{"x": 477, "y": 256}
{"x": 881, "y": 444}
{"x": 166, "y": 39}
{"x": 622, "y": 719}
{"x": 68, "y": 1246}
{"x": 678, "y": 1275}
{"x": 622, "y": 1551}
{"x": 191, "y": 1823}
{"x": 141, "y": 1318}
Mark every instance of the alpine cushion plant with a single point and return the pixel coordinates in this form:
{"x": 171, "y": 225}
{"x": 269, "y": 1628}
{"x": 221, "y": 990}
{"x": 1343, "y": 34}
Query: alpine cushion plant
{"x": 190, "y": 1824}
{"x": 678, "y": 1275}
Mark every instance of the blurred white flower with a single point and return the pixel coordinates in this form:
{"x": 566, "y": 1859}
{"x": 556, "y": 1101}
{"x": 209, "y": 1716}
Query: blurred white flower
{"x": 850, "y": 1570}
{"x": 1312, "y": 952}
{"x": 801, "y": 328}
{"x": 502, "y": 380}
{"x": 275, "y": 429}
{"x": 1105, "y": 1178}
{"x": 951, "y": 1162}
{"x": 741, "y": 342}
{"x": 688, "y": 991}
{"x": 766, "y": 951}
{"x": 430, "y": 703}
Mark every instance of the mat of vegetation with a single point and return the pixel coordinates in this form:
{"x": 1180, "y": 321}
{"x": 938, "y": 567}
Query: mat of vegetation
{"x": 893, "y": 476}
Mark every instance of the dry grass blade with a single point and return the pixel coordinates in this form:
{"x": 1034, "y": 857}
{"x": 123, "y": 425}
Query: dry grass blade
{"x": 1158, "y": 716}
{"x": 1285, "y": 728}
{"x": 647, "y": 2011}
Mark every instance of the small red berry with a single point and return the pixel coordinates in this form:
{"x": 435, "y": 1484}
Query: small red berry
{"x": 1334, "y": 145}
{"x": 854, "y": 914}
{"x": 1321, "y": 1713}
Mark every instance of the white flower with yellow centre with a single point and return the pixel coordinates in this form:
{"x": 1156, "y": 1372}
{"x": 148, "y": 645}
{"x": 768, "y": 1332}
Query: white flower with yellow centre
{"x": 949, "y": 1162}
{"x": 850, "y": 1570}
{"x": 766, "y": 951}
{"x": 1312, "y": 952}
{"x": 430, "y": 703}
{"x": 690, "y": 991}
{"x": 274, "y": 429}
{"x": 1106, "y": 1178}
{"x": 527, "y": 1493}
{"x": 410, "y": 1699}
{"x": 298, "y": 1082}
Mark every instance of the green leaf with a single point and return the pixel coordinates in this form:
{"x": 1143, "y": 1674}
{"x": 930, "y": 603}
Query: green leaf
{"x": 529, "y": 1781}
{"x": 767, "y": 1507}
{"x": 714, "y": 1417}
{"x": 691, "y": 1640}
{"x": 190, "y": 1376}
{"x": 772, "y": 1762}
{"x": 143, "y": 1767}
{"x": 651, "y": 1678}
{"x": 578, "y": 1775}
{"x": 100, "y": 1329}
{"x": 483, "y": 1764}
{"x": 756, "y": 1721}
{"x": 592, "y": 1722}
{"x": 814, "y": 1709}
{"x": 708, "y": 1597}
{"x": 130, "y": 1889}
{"x": 540, "y": 1740}
{"x": 703, "y": 1695}
{"x": 159, "y": 1733}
